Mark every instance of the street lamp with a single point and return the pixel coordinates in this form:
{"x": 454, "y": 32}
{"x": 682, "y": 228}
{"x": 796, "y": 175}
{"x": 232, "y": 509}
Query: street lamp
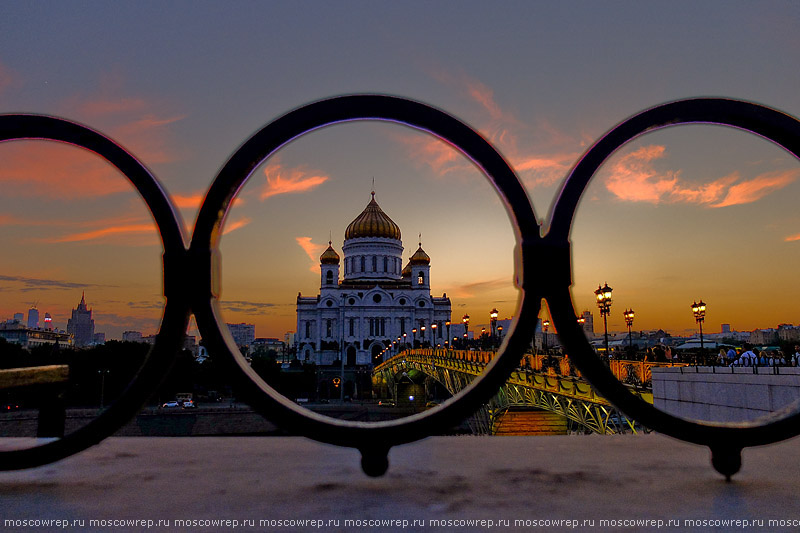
{"x": 699, "y": 310}
{"x": 499, "y": 334}
{"x": 465, "y": 321}
{"x": 603, "y": 295}
{"x": 414, "y": 338}
{"x": 628, "y": 314}
{"x": 493, "y": 317}
{"x": 448, "y": 330}
{"x": 433, "y": 334}
{"x": 422, "y": 332}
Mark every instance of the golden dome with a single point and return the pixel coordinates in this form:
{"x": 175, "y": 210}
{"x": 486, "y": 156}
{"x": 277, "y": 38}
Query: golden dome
{"x": 406, "y": 271}
{"x": 329, "y": 256}
{"x": 420, "y": 257}
{"x": 373, "y": 222}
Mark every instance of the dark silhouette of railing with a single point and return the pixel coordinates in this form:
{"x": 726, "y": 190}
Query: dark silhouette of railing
{"x": 542, "y": 252}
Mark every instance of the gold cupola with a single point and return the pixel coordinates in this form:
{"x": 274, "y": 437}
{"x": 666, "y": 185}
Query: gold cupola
{"x": 329, "y": 256}
{"x": 420, "y": 257}
{"x": 372, "y": 222}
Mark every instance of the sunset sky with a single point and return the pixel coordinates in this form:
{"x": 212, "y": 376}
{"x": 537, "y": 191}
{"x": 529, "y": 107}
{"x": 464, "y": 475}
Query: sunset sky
{"x": 682, "y": 214}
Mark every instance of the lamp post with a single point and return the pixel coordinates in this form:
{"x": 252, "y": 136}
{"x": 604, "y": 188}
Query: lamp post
{"x": 699, "y": 310}
{"x": 414, "y": 338}
{"x": 448, "y": 330}
{"x": 103, "y": 385}
{"x": 465, "y": 321}
{"x": 493, "y": 319}
{"x": 433, "y": 335}
{"x": 545, "y": 325}
{"x": 499, "y": 334}
{"x": 628, "y": 314}
{"x": 405, "y": 341}
{"x": 422, "y": 332}
{"x": 603, "y": 295}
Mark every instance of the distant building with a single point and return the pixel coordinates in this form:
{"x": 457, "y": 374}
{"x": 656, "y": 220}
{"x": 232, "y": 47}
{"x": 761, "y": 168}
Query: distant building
{"x": 243, "y": 334}
{"x": 81, "y": 325}
{"x": 15, "y": 332}
{"x": 788, "y": 333}
{"x": 132, "y": 336}
{"x": 33, "y": 318}
{"x": 99, "y": 338}
{"x": 19, "y": 317}
{"x": 588, "y": 324}
{"x": 726, "y": 328}
{"x": 48, "y": 321}
{"x": 764, "y": 336}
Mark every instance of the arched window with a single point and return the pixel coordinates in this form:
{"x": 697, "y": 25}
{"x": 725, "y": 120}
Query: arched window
{"x": 374, "y": 263}
{"x": 385, "y": 264}
{"x": 421, "y": 278}
{"x": 330, "y": 276}
{"x": 363, "y": 268}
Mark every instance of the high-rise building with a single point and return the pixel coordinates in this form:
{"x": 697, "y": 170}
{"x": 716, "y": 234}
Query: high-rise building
{"x": 81, "y": 325}
{"x": 355, "y": 319}
{"x": 33, "y": 318}
{"x": 19, "y": 317}
{"x": 48, "y": 321}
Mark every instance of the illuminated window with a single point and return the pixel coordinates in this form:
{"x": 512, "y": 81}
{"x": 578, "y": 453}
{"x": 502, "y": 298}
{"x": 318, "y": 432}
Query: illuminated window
{"x": 420, "y": 279}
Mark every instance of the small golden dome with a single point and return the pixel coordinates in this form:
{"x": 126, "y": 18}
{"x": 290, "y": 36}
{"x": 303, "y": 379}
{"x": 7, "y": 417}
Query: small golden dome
{"x": 372, "y": 222}
{"x": 406, "y": 271}
{"x": 329, "y": 256}
{"x": 420, "y": 257}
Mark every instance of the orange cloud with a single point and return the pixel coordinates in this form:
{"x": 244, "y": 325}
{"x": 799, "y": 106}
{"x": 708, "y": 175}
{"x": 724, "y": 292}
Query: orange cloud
{"x": 107, "y": 232}
{"x": 112, "y": 106}
{"x": 191, "y": 201}
{"x": 280, "y": 181}
{"x": 441, "y": 157}
{"x": 633, "y": 178}
{"x": 233, "y": 226}
{"x": 313, "y": 251}
{"x": 760, "y": 186}
{"x": 6, "y": 78}
{"x": 792, "y": 238}
{"x": 55, "y": 170}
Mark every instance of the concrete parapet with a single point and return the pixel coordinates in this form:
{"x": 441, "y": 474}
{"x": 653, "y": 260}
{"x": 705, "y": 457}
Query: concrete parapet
{"x": 725, "y": 394}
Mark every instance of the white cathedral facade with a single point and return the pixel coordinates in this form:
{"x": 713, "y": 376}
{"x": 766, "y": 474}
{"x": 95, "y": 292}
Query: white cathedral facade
{"x": 355, "y": 317}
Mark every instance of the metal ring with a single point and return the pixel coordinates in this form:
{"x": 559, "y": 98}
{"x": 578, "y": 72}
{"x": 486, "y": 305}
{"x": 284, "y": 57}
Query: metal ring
{"x": 725, "y": 440}
{"x": 373, "y": 439}
{"x": 175, "y": 314}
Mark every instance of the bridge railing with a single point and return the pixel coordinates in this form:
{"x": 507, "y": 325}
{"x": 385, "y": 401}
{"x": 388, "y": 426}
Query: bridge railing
{"x": 634, "y": 373}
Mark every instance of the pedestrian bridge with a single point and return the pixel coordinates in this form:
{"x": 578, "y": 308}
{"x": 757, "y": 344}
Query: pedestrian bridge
{"x": 540, "y": 382}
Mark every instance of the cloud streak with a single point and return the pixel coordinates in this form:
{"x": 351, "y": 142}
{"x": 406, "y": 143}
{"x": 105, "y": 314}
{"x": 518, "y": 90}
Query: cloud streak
{"x": 286, "y": 181}
{"x": 313, "y": 251}
{"x": 633, "y": 178}
{"x": 29, "y": 284}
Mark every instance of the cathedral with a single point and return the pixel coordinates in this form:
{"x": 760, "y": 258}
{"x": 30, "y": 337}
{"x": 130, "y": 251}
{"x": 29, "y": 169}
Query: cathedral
{"x": 354, "y": 318}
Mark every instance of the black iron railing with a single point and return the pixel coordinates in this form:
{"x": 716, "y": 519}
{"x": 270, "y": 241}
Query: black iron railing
{"x": 191, "y": 275}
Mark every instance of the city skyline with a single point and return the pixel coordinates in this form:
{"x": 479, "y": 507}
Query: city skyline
{"x": 675, "y": 216}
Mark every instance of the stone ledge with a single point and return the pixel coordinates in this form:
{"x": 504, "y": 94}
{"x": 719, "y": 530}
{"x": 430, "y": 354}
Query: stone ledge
{"x": 578, "y": 477}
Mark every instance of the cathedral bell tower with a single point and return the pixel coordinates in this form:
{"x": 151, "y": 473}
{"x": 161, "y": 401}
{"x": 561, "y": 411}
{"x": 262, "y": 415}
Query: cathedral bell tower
{"x": 329, "y": 268}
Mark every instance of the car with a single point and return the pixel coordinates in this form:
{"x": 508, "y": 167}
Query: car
{"x": 189, "y": 404}
{"x": 170, "y": 405}
{"x": 386, "y": 403}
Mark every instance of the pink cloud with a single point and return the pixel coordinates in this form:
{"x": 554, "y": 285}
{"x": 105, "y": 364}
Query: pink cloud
{"x": 103, "y": 107}
{"x": 295, "y": 180}
{"x": 312, "y": 250}
{"x": 792, "y": 238}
